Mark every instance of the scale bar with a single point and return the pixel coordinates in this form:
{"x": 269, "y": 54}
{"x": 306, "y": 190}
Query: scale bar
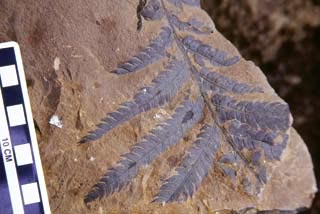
{"x": 9, "y": 162}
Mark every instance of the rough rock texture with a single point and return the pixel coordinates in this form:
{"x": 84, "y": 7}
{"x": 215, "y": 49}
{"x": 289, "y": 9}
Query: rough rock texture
{"x": 69, "y": 49}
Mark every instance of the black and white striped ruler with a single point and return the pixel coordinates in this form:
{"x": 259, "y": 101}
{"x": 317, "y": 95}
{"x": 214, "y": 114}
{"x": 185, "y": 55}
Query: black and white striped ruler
{"x": 22, "y": 185}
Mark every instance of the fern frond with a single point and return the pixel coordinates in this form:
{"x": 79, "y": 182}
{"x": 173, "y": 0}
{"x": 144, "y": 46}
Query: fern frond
{"x": 249, "y": 135}
{"x": 193, "y": 169}
{"x": 164, "y": 87}
{"x": 143, "y": 153}
{"x": 155, "y": 51}
{"x": 221, "y": 84}
{"x": 260, "y": 115}
{"x": 216, "y": 57}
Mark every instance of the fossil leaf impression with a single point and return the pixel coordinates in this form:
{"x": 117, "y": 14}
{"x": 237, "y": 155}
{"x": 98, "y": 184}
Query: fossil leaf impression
{"x": 242, "y": 135}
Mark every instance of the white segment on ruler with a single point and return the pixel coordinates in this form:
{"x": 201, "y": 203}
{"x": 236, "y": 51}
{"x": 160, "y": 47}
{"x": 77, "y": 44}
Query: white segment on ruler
{"x": 8, "y": 76}
{"x": 30, "y": 193}
{"x": 9, "y": 163}
{"x": 16, "y": 115}
{"x": 23, "y": 154}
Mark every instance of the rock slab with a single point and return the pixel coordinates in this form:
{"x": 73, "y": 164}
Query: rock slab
{"x": 69, "y": 49}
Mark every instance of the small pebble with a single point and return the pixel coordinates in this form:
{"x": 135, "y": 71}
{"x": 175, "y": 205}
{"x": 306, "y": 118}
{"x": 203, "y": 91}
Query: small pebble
{"x": 56, "y": 64}
{"x": 54, "y": 120}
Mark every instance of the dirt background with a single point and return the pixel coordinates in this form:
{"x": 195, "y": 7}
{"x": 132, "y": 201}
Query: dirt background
{"x": 283, "y": 38}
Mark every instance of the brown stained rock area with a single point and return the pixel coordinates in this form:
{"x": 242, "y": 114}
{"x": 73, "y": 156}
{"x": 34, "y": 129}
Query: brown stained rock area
{"x": 69, "y": 49}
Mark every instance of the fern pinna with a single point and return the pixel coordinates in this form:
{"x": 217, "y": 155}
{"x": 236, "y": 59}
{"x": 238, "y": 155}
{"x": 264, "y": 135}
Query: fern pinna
{"x": 240, "y": 135}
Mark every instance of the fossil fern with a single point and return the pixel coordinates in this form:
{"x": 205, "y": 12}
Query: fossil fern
{"x": 240, "y": 136}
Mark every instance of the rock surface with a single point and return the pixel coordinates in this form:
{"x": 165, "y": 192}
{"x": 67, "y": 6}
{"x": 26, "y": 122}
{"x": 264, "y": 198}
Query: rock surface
{"x": 69, "y": 49}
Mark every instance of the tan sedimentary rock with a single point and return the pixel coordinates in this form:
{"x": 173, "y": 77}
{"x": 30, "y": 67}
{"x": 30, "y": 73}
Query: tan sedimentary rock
{"x": 69, "y": 49}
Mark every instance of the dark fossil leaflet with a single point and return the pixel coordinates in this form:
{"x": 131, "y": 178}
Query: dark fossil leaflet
{"x": 155, "y": 51}
{"x": 179, "y": 3}
{"x": 164, "y": 87}
{"x": 256, "y": 114}
{"x": 244, "y": 136}
{"x": 194, "y": 167}
{"x": 221, "y": 84}
{"x": 216, "y": 57}
{"x": 144, "y": 152}
{"x": 192, "y": 25}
